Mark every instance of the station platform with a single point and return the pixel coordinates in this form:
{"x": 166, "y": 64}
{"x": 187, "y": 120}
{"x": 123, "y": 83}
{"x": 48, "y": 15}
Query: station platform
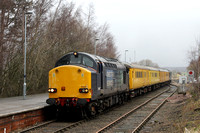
{"x": 15, "y": 105}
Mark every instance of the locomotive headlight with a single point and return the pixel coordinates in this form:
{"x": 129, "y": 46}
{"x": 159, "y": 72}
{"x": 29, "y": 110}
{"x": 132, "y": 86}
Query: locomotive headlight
{"x": 83, "y": 90}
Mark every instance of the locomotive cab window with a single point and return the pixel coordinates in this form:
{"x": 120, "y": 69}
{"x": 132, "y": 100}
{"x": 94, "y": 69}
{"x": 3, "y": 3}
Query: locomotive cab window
{"x": 75, "y": 60}
{"x": 87, "y": 62}
{"x": 79, "y": 59}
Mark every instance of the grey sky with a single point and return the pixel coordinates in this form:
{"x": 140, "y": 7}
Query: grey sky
{"x": 160, "y": 30}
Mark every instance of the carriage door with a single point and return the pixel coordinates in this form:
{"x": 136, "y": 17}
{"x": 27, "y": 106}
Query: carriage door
{"x": 100, "y": 77}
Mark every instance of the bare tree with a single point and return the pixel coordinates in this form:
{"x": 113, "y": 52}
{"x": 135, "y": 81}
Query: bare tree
{"x": 11, "y": 42}
{"x": 194, "y": 64}
{"x": 106, "y": 45}
{"x": 148, "y": 62}
{"x": 194, "y": 60}
{"x": 50, "y": 35}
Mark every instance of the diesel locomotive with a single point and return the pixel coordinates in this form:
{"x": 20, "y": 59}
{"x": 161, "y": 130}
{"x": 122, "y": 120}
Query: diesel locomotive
{"x": 92, "y": 83}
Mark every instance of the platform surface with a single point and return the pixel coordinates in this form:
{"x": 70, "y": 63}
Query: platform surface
{"x": 14, "y": 105}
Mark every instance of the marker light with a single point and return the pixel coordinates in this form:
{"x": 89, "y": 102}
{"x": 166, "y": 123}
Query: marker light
{"x": 75, "y": 54}
{"x": 83, "y": 90}
{"x": 52, "y": 90}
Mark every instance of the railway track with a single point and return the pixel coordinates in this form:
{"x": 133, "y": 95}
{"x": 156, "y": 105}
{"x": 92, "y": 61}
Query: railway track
{"x": 133, "y": 120}
{"x": 111, "y": 121}
{"x": 52, "y": 126}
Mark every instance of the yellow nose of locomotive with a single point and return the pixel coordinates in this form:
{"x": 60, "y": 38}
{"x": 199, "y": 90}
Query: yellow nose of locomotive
{"x": 69, "y": 81}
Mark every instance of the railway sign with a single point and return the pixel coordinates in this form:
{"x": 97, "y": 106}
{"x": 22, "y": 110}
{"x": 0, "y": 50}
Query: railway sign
{"x": 190, "y": 76}
{"x": 191, "y": 73}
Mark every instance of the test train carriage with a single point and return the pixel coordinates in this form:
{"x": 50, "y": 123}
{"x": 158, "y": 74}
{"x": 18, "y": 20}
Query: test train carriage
{"x": 92, "y": 83}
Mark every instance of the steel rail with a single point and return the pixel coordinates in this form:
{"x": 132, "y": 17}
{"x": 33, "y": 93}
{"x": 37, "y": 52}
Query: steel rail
{"x": 61, "y": 130}
{"x": 128, "y": 113}
{"x": 37, "y": 126}
{"x": 137, "y": 129}
{"x": 49, "y": 122}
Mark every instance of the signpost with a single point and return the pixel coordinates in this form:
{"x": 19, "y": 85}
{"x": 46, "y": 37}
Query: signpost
{"x": 191, "y": 73}
{"x": 191, "y": 76}
{"x": 182, "y": 82}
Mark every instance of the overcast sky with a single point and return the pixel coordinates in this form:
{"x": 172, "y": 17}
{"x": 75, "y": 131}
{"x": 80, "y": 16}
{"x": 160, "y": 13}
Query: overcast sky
{"x": 160, "y": 30}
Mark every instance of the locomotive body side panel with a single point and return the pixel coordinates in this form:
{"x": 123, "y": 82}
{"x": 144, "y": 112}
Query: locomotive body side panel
{"x": 154, "y": 77}
{"x": 140, "y": 78}
{"x": 131, "y": 78}
{"x": 146, "y": 77}
{"x": 115, "y": 80}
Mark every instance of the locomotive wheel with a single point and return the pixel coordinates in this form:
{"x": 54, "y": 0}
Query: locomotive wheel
{"x": 101, "y": 108}
{"x": 83, "y": 113}
{"x": 121, "y": 100}
{"x": 92, "y": 109}
{"x": 149, "y": 88}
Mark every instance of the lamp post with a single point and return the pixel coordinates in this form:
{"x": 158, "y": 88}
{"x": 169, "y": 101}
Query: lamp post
{"x": 125, "y": 54}
{"x": 134, "y": 56}
{"x": 198, "y": 71}
{"x": 24, "y": 87}
{"x": 95, "y": 46}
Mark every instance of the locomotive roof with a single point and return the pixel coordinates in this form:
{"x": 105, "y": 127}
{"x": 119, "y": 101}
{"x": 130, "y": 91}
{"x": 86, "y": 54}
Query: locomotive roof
{"x": 103, "y": 59}
{"x": 121, "y": 64}
{"x": 96, "y": 57}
